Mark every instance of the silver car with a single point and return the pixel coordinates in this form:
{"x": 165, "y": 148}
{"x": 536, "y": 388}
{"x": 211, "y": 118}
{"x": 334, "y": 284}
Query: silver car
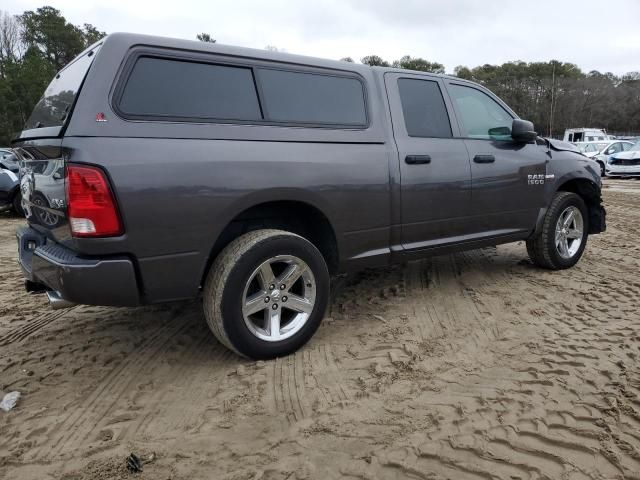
{"x": 624, "y": 163}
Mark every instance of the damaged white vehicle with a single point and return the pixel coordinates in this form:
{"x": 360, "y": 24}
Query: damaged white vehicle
{"x": 624, "y": 164}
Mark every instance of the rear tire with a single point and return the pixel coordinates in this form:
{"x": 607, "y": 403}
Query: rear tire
{"x": 266, "y": 293}
{"x": 559, "y": 244}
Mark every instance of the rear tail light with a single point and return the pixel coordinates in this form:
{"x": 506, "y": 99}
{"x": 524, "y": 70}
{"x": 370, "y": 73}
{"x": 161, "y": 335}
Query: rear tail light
{"x": 90, "y": 204}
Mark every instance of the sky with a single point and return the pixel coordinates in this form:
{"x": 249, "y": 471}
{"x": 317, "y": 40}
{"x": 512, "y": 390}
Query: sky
{"x": 596, "y": 35}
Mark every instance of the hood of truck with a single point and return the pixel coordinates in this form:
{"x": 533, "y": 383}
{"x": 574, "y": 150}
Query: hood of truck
{"x": 561, "y": 146}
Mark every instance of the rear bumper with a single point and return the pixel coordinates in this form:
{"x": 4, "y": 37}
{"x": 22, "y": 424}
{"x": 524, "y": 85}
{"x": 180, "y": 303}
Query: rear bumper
{"x": 78, "y": 279}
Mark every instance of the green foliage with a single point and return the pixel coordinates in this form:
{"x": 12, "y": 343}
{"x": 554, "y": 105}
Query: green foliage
{"x": 557, "y": 95}
{"x": 462, "y": 72}
{"x": 20, "y": 90}
{"x": 419, "y": 64}
{"x": 554, "y": 95}
{"x": 91, "y": 34}
{"x": 205, "y": 37}
{"x": 374, "y": 61}
{"x": 33, "y": 47}
{"x": 49, "y": 31}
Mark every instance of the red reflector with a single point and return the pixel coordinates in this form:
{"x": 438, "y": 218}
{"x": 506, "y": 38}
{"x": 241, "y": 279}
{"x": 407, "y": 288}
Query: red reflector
{"x": 90, "y": 204}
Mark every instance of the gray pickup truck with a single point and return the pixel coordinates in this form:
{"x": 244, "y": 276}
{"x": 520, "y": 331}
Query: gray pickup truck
{"x": 155, "y": 169}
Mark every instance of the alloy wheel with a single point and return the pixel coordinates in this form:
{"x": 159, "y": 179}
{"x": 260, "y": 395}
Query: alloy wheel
{"x": 569, "y": 232}
{"x": 278, "y": 298}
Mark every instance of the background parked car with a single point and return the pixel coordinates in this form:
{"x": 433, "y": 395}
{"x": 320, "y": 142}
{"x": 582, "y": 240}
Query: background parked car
{"x": 5, "y": 152}
{"x": 591, "y": 149}
{"x": 603, "y": 151}
{"x": 10, "y": 195}
{"x": 625, "y": 163}
{"x": 41, "y": 201}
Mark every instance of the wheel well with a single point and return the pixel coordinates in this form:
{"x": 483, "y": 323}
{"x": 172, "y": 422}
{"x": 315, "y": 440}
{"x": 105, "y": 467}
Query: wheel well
{"x": 296, "y": 217}
{"x": 590, "y": 193}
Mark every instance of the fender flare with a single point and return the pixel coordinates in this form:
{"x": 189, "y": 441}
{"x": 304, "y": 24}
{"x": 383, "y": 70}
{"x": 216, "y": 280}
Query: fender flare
{"x": 261, "y": 197}
{"x": 256, "y": 198}
{"x": 563, "y": 180}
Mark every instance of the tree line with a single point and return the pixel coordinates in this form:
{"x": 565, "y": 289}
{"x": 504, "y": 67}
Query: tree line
{"x": 33, "y": 47}
{"x": 554, "y": 95}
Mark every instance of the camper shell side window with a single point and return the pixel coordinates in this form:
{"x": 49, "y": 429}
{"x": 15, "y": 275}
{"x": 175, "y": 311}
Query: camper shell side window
{"x": 163, "y": 86}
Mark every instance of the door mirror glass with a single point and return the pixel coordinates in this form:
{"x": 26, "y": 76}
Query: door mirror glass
{"x": 523, "y": 131}
{"x": 500, "y": 133}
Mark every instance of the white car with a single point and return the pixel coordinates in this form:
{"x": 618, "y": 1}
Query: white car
{"x": 625, "y": 163}
{"x": 591, "y": 149}
{"x": 601, "y": 152}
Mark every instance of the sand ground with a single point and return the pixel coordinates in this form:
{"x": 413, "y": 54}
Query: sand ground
{"x": 469, "y": 366}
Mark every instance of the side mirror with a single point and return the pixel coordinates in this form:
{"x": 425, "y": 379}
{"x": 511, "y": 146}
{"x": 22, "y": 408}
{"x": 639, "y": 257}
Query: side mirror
{"x": 522, "y": 131}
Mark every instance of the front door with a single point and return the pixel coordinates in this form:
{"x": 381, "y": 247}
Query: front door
{"x": 507, "y": 177}
{"x": 434, "y": 165}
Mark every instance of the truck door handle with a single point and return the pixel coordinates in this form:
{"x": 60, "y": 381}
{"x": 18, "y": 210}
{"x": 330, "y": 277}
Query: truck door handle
{"x": 484, "y": 159}
{"x": 417, "y": 159}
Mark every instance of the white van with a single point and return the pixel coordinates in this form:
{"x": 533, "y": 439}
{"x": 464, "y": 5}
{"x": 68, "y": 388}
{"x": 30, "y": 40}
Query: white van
{"x": 576, "y": 135}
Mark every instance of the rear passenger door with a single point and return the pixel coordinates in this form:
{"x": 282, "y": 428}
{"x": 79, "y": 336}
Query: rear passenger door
{"x": 434, "y": 165}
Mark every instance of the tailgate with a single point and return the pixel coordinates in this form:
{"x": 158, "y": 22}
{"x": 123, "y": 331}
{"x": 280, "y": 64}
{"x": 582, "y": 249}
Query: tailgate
{"x": 39, "y": 149}
{"x": 42, "y": 184}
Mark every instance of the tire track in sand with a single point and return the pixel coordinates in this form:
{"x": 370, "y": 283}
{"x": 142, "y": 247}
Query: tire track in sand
{"x": 306, "y": 382}
{"x": 24, "y": 331}
{"x": 69, "y": 434}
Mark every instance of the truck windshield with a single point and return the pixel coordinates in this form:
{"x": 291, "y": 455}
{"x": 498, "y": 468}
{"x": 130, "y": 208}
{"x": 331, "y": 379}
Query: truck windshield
{"x": 52, "y": 109}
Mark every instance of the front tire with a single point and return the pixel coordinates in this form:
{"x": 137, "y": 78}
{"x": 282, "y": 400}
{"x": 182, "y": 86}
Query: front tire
{"x": 602, "y": 169}
{"x": 563, "y": 237}
{"x": 266, "y": 293}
